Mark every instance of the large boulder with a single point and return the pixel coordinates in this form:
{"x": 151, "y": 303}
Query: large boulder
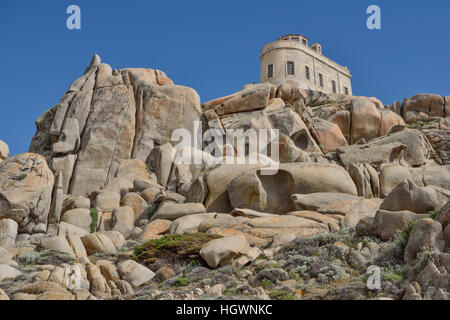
{"x": 8, "y": 232}
{"x": 136, "y": 203}
{"x": 410, "y": 197}
{"x": 391, "y": 176}
{"x": 189, "y": 224}
{"x": 154, "y": 228}
{"x": 328, "y": 135}
{"x": 366, "y": 180}
{"x": 422, "y": 107}
{"x": 315, "y": 201}
{"x": 217, "y": 181}
{"x": 289, "y": 123}
{"x": 4, "y": 151}
{"x": 133, "y": 169}
{"x": 173, "y": 211}
{"x": 389, "y": 120}
{"x": 288, "y": 152}
{"x": 223, "y": 251}
{"x": 8, "y": 272}
{"x": 108, "y": 117}
{"x": 374, "y": 155}
{"x": 268, "y": 227}
{"x": 26, "y": 185}
{"x": 271, "y": 193}
{"x": 160, "y": 111}
{"x": 387, "y": 224}
{"x": 438, "y": 136}
{"x": 253, "y": 98}
{"x": 107, "y": 201}
{"x": 417, "y": 149}
{"x": 160, "y": 161}
{"x": 123, "y": 220}
{"x": 58, "y": 243}
{"x": 78, "y": 217}
{"x": 98, "y": 243}
{"x": 365, "y": 120}
{"x": 135, "y": 273}
{"x": 425, "y": 235}
{"x": 437, "y": 176}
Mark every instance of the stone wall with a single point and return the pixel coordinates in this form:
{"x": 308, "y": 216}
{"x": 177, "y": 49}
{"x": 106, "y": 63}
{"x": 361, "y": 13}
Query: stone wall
{"x": 279, "y": 52}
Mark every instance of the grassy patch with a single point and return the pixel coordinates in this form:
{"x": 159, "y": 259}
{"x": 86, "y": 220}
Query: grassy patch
{"x": 274, "y": 265}
{"x": 404, "y": 235}
{"x": 21, "y": 177}
{"x": 293, "y": 275}
{"x": 47, "y": 256}
{"x": 230, "y": 292}
{"x": 266, "y": 283}
{"x": 433, "y": 214}
{"x": 183, "y": 282}
{"x": 173, "y": 248}
{"x": 281, "y": 295}
{"x": 94, "y": 220}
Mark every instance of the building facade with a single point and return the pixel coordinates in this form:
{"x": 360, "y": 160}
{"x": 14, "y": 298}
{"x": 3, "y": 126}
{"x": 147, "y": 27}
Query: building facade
{"x": 291, "y": 60}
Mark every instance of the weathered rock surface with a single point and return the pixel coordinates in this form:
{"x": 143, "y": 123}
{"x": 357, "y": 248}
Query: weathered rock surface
{"x": 108, "y": 117}
{"x": 8, "y": 232}
{"x": 26, "y": 185}
{"x": 220, "y": 252}
{"x": 135, "y": 273}
{"x": 271, "y": 193}
{"x": 425, "y": 235}
{"x": 104, "y": 160}
{"x": 422, "y": 107}
{"x": 388, "y": 224}
{"x": 408, "y": 196}
{"x": 4, "y": 151}
{"x": 172, "y": 211}
{"x": 253, "y": 98}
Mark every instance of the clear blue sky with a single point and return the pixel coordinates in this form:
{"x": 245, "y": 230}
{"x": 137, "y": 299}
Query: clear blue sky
{"x": 212, "y": 46}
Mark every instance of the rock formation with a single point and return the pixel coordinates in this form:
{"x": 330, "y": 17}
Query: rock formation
{"x": 101, "y": 195}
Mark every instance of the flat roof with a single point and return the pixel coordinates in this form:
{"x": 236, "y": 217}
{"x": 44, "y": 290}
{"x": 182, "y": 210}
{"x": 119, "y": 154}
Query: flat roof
{"x": 293, "y": 35}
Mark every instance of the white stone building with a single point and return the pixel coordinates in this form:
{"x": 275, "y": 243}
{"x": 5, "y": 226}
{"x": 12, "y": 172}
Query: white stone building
{"x": 291, "y": 60}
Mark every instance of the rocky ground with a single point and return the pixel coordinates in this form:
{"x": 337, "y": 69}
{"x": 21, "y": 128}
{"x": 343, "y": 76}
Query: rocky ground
{"x": 100, "y": 209}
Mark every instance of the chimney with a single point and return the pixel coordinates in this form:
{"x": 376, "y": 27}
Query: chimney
{"x": 317, "y": 47}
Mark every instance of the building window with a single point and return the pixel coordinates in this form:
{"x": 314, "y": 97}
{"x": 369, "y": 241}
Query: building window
{"x": 295, "y": 39}
{"x": 270, "y": 71}
{"x": 333, "y": 84}
{"x": 290, "y": 68}
{"x": 346, "y": 91}
{"x": 305, "y": 42}
{"x": 308, "y": 75}
{"x": 321, "y": 80}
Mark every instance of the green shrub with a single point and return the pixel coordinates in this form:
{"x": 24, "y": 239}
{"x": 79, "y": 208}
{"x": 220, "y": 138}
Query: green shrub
{"x": 266, "y": 283}
{"x": 21, "y": 177}
{"x": 281, "y": 295}
{"x": 48, "y": 256}
{"x": 94, "y": 220}
{"x": 173, "y": 248}
{"x": 183, "y": 282}
{"x": 433, "y": 214}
